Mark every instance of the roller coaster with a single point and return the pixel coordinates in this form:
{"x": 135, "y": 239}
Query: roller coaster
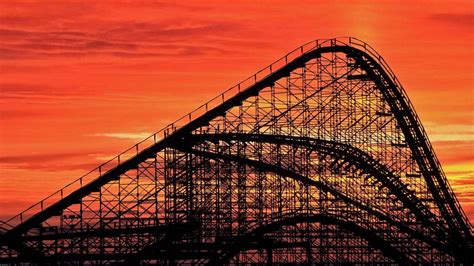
{"x": 319, "y": 158}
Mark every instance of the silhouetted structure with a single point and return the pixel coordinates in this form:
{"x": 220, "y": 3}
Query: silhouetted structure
{"x": 318, "y": 158}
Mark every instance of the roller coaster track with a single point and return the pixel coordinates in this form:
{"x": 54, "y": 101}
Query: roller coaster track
{"x": 325, "y": 135}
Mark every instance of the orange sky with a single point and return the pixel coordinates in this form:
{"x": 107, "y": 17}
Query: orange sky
{"x": 81, "y": 81}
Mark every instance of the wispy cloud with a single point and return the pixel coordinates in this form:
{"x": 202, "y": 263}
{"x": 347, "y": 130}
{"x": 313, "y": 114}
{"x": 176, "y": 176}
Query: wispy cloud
{"x": 121, "y": 135}
{"x": 459, "y": 19}
{"x": 450, "y": 132}
{"x": 124, "y": 39}
{"x": 34, "y": 93}
{"x": 49, "y": 161}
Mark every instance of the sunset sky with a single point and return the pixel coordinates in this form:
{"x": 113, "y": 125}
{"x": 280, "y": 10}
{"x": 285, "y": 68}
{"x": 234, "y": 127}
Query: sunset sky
{"x": 81, "y": 81}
